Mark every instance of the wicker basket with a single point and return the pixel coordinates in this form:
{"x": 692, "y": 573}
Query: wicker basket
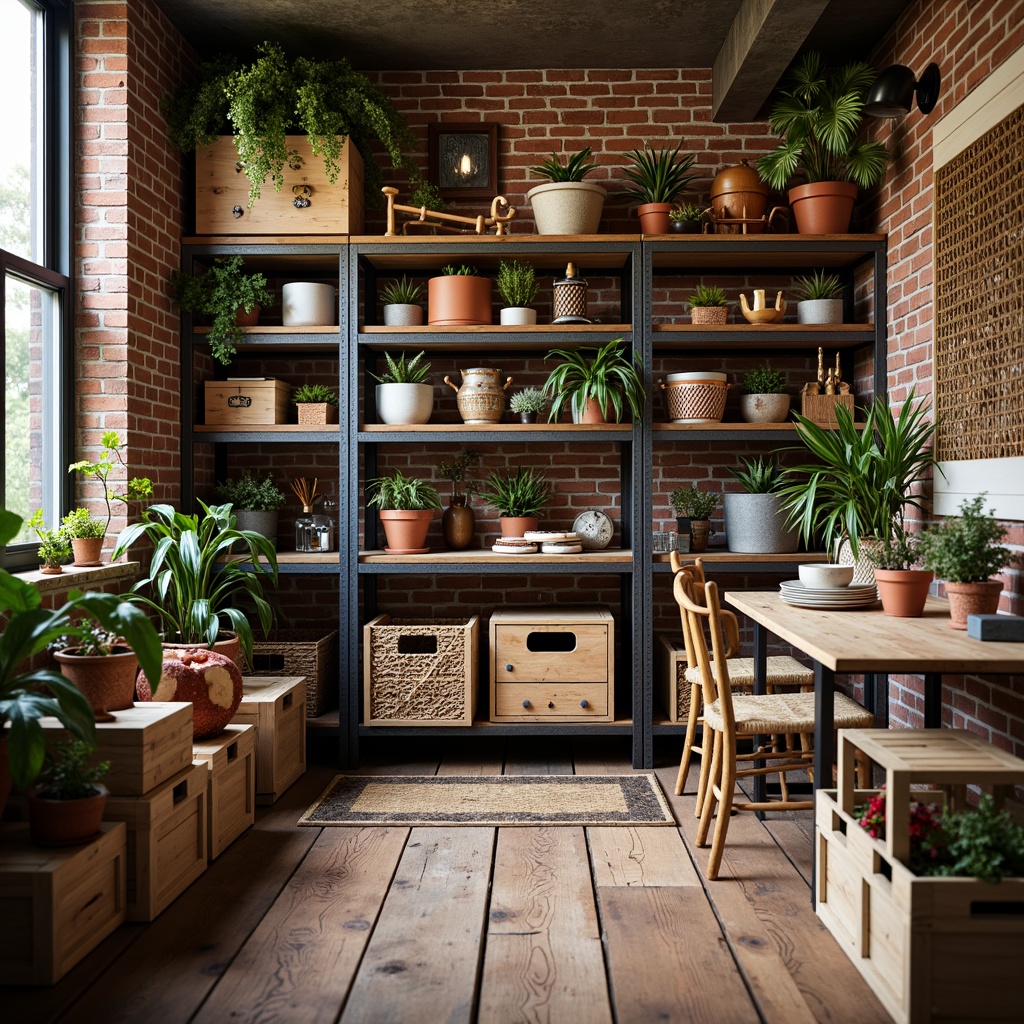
{"x": 312, "y": 653}
{"x": 709, "y": 314}
{"x": 695, "y": 401}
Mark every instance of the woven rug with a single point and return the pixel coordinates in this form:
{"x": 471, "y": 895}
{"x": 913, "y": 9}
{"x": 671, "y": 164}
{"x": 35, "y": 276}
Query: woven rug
{"x": 491, "y": 800}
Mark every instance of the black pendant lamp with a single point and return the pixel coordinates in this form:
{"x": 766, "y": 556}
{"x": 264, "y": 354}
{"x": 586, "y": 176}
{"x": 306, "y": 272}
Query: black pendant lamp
{"x": 892, "y": 95}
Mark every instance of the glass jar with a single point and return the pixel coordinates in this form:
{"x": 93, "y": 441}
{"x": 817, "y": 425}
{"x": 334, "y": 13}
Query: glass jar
{"x": 304, "y": 529}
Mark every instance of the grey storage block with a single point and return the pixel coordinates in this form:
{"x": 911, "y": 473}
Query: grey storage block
{"x": 1008, "y": 628}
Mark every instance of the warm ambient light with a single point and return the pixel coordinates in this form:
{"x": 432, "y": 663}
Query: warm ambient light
{"x": 465, "y": 168}
{"x": 892, "y": 95}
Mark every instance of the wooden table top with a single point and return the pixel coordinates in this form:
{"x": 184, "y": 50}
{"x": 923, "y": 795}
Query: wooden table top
{"x": 855, "y": 641}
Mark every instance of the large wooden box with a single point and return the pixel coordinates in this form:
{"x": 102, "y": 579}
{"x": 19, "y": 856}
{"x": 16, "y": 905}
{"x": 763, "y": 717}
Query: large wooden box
{"x": 246, "y": 401}
{"x": 312, "y": 653}
{"x": 276, "y": 706}
{"x": 222, "y": 194}
{"x": 166, "y": 839}
{"x": 552, "y": 664}
{"x": 420, "y": 670}
{"x": 822, "y": 408}
{"x": 230, "y": 759}
{"x": 57, "y": 905}
{"x": 145, "y": 745}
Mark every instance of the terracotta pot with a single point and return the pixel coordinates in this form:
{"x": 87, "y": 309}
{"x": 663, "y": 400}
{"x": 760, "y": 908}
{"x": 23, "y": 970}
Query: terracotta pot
{"x": 823, "y": 207}
{"x": 107, "y": 680}
{"x": 903, "y": 591}
{"x": 406, "y": 530}
{"x": 593, "y": 412}
{"x": 700, "y": 530}
{"x": 250, "y": 319}
{"x": 654, "y": 218}
{"x": 972, "y": 599}
{"x": 458, "y": 300}
{"x": 65, "y": 822}
{"x": 739, "y": 192}
{"x": 87, "y": 550}
{"x": 51, "y": 570}
{"x": 516, "y": 526}
{"x": 458, "y": 524}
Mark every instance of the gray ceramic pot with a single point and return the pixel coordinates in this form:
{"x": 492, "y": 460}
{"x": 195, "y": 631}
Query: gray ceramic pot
{"x": 756, "y": 524}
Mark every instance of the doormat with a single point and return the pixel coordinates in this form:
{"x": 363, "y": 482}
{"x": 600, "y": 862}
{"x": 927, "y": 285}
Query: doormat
{"x": 416, "y": 800}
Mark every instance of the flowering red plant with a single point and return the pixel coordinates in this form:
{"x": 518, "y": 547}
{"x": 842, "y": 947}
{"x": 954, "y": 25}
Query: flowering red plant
{"x": 927, "y": 841}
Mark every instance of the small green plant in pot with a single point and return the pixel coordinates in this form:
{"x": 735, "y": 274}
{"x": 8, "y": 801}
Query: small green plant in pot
{"x": 403, "y": 395}
{"x": 402, "y": 303}
{"x": 66, "y": 805}
{"x": 819, "y": 299}
{"x": 709, "y": 305}
{"x": 657, "y": 177}
{"x": 86, "y": 534}
{"x": 528, "y": 403}
{"x": 686, "y": 219}
{"x": 596, "y": 383}
{"x": 54, "y": 545}
{"x": 765, "y": 400}
{"x": 317, "y": 404}
{"x": 519, "y": 497}
{"x": 517, "y": 285}
{"x": 406, "y": 506}
{"x": 566, "y": 204}
{"x": 902, "y": 588}
{"x": 755, "y": 521}
{"x": 694, "y": 508}
{"x": 256, "y": 502}
{"x": 138, "y": 488}
{"x": 458, "y": 520}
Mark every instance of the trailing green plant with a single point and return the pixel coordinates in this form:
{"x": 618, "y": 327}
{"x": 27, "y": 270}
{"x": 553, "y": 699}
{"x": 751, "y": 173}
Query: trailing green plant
{"x": 818, "y": 286}
{"x": 658, "y": 176}
{"x": 402, "y": 292}
{"x": 252, "y": 493}
{"x": 517, "y": 282}
{"x": 402, "y": 492}
{"x": 220, "y": 292}
{"x": 138, "y": 488}
{"x": 691, "y": 502}
{"x": 706, "y": 295}
{"x": 901, "y": 550}
{"x": 463, "y": 270}
{"x": 528, "y": 400}
{"x": 400, "y": 371}
{"x": 523, "y": 493}
{"x": 575, "y": 167}
{"x": 965, "y": 548}
{"x": 82, "y": 525}
{"x": 687, "y": 212}
{"x": 457, "y": 471}
{"x": 763, "y": 380}
{"x": 315, "y": 393}
{"x": 608, "y": 374}
{"x": 54, "y": 545}
{"x": 68, "y": 773}
{"x": 759, "y": 476}
{"x": 428, "y": 195}
{"x": 820, "y": 114}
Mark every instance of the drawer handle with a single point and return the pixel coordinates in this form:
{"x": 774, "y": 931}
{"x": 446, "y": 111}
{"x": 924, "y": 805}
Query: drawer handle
{"x": 508, "y": 668}
{"x": 550, "y": 704}
{"x": 584, "y": 704}
{"x": 526, "y": 704}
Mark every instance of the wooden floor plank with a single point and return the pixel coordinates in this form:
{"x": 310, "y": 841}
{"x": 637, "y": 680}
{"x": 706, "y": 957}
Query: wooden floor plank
{"x": 422, "y": 959}
{"x": 601, "y": 755}
{"x": 538, "y": 755}
{"x": 640, "y": 855}
{"x": 472, "y": 757}
{"x": 299, "y": 963}
{"x": 543, "y": 960}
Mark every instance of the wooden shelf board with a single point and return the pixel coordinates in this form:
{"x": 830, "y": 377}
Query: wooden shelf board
{"x": 265, "y": 428}
{"x": 717, "y": 555}
{"x": 812, "y": 330}
{"x": 272, "y": 329}
{"x": 614, "y": 556}
{"x": 470, "y": 428}
{"x": 501, "y": 329}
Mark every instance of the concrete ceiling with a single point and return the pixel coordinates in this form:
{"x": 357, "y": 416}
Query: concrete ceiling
{"x": 747, "y": 43}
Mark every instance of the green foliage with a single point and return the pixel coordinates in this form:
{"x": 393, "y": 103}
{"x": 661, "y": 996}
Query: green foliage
{"x": 517, "y": 282}
{"x": 402, "y": 292}
{"x": 983, "y": 843}
{"x": 658, "y": 176}
{"x": 461, "y": 271}
{"x": 705, "y": 295}
{"x": 692, "y": 502}
{"x": 90, "y": 641}
{"x": 606, "y": 374}
{"x": 402, "y": 492}
{"x": 528, "y": 400}
{"x": 316, "y": 393}
{"x": 759, "y": 476}
{"x": 28, "y": 694}
{"x": 457, "y": 471}
{"x": 68, "y": 775}
{"x": 252, "y": 493}
{"x": 818, "y": 286}
{"x": 963, "y": 549}
{"x": 820, "y": 113}
{"x": 899, "y": 551}
{"x": 54, "y": 545}
{"x": 687, "y": 212}
{"x": 522, "y": 493}
{"x": 138, "y": 488}
{"x": 401, "y": 372}
{"x": 428, "y": 195}
{"x": 763, "y": 380}
{"x": 220, "y": 292}
{"x": 80, "y": 525}
{"x": 189, "y": 587}
{"x": 575, "y": 167}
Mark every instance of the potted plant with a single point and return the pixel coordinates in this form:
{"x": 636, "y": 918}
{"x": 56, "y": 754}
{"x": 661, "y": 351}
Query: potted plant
{"x": 406, "y": 506}
{"x": 402, "y": 300}
{"x": 765, "y": 400}
{"x": 317, "y": 404}
{"x": 528, "y": 403}
{"x": 460, "y": 297}
{"x": 519, "y": 497}
{"x": 402, "y": 394}
{"x": 229, "y": 295}
{"x": 819, "y": 299}
{"x": 964, "y": 552}
{"x": 66, "y": 805}
{"x": 686, "y": 219}
{"x": 693, "y": 508}
{"x": 755, "y": 521}
{"x": 657, "y": 176}
{"x": 54, "y": 545}
{"x": 427, "y": 196}
{"x": 566, "y": 205}
{"x": 458, "y": 520}
{"x": 820, "y": 113}
{"x": 517, "y": 285}
{"x": 101, "y": 665}
{"x": 596, "y": 382}
{"x": 138, "y": 488}
{"x": 86, "y": 534}
{"x": 902, "y": 588}
{"x": 256, "y": 502}
{"x": 708, "y": 305}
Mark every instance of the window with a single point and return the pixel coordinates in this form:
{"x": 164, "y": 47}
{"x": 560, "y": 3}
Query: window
{"x": 35, "y": 259}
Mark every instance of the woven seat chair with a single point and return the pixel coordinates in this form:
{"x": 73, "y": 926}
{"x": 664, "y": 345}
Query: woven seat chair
{"x": 727, "y": 716}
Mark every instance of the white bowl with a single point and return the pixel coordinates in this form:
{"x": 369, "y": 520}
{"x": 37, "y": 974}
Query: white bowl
{"x": 824, "y": 574}
{"x": 697, "y": 375}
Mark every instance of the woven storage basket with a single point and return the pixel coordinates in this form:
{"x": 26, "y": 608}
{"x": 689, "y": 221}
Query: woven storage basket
{"x": 695, "y": 400}
{"x": 709, "y": 314}
{"x": 312, "y": 653}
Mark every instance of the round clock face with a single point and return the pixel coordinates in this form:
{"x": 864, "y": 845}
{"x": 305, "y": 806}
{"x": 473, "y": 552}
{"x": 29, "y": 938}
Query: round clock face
{"x": 595, "y": 529}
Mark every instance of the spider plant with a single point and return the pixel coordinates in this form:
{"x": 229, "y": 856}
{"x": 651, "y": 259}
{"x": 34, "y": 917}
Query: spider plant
{"x": 402, "y": 492}
{"x": 606, "y": 374}
{"x": 658, "y": 176}
{"x": 522, "y": 494}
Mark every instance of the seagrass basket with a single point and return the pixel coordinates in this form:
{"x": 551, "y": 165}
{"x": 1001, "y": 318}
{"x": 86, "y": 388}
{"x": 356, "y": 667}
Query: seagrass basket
{"x": 695, "y": 401}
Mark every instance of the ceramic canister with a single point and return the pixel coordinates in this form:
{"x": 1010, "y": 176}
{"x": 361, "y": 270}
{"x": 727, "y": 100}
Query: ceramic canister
{"x": 481, "y": 399}
{"x": 308, "y": 304}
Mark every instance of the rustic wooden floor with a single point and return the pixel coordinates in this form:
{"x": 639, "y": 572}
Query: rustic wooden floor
{"x": 400, "y": 926}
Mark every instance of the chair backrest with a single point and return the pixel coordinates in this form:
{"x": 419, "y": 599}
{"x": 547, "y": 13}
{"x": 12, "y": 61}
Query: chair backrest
{"x": 694, "y": 572}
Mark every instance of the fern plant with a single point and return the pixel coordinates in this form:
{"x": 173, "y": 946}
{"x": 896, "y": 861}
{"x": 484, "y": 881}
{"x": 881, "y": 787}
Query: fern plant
{"x": 575, "y": 167}
{"x": 400, "y": 371}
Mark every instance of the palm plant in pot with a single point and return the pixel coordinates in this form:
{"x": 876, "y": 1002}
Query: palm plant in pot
{"x": 406, "y": 506}
{"x": 657, "y": 178}
{"x": 596, "y": 383}
{"x": 519, "y": 497}
{"x": 517, "y": 285}
{"x": 255, "y": 500}
{"x": 754, "y": 519}
{"x": 566, "y": 205}
{"x": 902, "y": 588}
{"x": 66, "y": 805}
{"x": 403, "y": 394}
{"x": 694, "y": 508}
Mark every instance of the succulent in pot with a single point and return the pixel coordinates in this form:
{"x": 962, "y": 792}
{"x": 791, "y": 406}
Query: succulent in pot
{"x": 403, "y": 394}
{"x": 819, "y": 299}
{"x": 406, "y": 506}
{"x": 519, "y": 497}
{"x": 597, "y": 384}
{"x": 317, "y": 404}
{"x": 528, "y": 403}
{"x": 657, "y": 178}
{"x": 65, "y": 807}
{"x": 517, "y": 285}
{"x": 694, "y": 508}
{"x": 708, "y": 305}
{"x": 402, "y": 303}
{"x": 755, "y": 521}
{"x": 765, "y": 400}
{"x": 686, "y": 219}
{"x": 566, "y": 205}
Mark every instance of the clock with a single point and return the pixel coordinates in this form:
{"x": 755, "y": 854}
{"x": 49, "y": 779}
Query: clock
{"x": 594, "y": 528}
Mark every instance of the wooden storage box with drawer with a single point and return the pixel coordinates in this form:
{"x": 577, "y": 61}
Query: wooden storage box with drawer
{"x": 276, "y": 706}
{"x": 246, "y": 402}
{"x": 231, "y": 802}
{"x": 552, "y": 664}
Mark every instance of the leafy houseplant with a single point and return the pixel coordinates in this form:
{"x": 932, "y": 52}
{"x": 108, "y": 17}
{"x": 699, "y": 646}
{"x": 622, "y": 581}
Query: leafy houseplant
{"x": 317, "y": 404}
{"x": 517, "y": 285}
{"x": 657, "y": 177}
{"x": 595, "y": 382}
{"x": 54, "y": 545}
{"x": 819, "y": 299}
{"x": 457, "y": 471}
{"x": 403, "y": 394}
{"x": 693, "y": 508}
{"x": 521, "y": 495}
{"x": 566, "y": 205}
{"x": 528, "y": 403}
{"x": 401, "y": 301}
{"x": 763, "y": 380}
{"x": 223, "y": 292}
{"x": 67, "y": 803}
{"x": 765, "y": 400}
{"x": 138, "y": 488}
{"x": 903, "y": 589}
{"x": 428, "y": 195}
{"x": 406, "y": 506}
{"x": 252, "y": 493}
{"x": 86, "y": 534}
{"x": 708, "y": 305}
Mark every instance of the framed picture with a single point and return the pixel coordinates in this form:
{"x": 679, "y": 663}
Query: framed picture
{"x": 462, "y": 159}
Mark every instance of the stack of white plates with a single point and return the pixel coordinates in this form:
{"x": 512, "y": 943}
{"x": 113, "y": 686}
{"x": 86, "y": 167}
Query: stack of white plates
{"x": 856, "y": 595}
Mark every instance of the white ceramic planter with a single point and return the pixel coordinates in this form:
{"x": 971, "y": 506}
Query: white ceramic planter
{"x": 404, "y": 403}
{"x": 567, "y": 207}
{"x": 518, "y": 316}
{"x": 819, "y": 311}
{"x": 403, "y": 314}
{"x": 309, "y": 304}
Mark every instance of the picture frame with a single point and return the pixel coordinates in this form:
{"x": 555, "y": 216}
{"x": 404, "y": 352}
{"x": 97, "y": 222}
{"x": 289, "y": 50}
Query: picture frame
{"x": 462, "y": 159}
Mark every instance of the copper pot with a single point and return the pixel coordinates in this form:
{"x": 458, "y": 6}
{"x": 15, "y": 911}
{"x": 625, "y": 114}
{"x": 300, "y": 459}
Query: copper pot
{"x": 738, "y": 193}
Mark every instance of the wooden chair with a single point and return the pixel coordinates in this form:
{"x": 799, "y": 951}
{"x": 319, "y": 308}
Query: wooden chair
{"x": 728, "y": 716}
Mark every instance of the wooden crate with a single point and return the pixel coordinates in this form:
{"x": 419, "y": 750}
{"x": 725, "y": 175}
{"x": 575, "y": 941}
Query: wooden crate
{"x": 57, "y": 905}
{"x": 822, "y": 408}
{"x": 312, "y": 653}
{"x": 241, "y": 402}
{"x": 231, "y": 799}
{"x": 420, "y": 670}
{"x": 166, "y": 839}
{"x": 145, "y": 745}
{"x": 670, "y": 683}
{"x": 276, "y": 706}
{"x": 222, "y": 194}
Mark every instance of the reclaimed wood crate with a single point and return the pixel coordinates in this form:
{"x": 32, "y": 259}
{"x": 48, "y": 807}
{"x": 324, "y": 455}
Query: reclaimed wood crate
{"x": 246, "y": 401}
{"x": 145, "y": 745}
{"x": 166, "y": 839}
{"x": 222, "y": 194}
{"x": 670, "y": 682}
{"x": 231, "y": 800}
{"x": 822, "y": 408}
{"x": 312, "y": 653}
{"x": 420, "y": 670}
{"x": 57, "y": 905}
{"x": 276, "y": 706}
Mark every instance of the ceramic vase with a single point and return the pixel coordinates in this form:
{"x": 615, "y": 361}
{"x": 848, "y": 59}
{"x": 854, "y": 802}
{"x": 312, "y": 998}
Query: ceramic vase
{"x": 458, "y": 523}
